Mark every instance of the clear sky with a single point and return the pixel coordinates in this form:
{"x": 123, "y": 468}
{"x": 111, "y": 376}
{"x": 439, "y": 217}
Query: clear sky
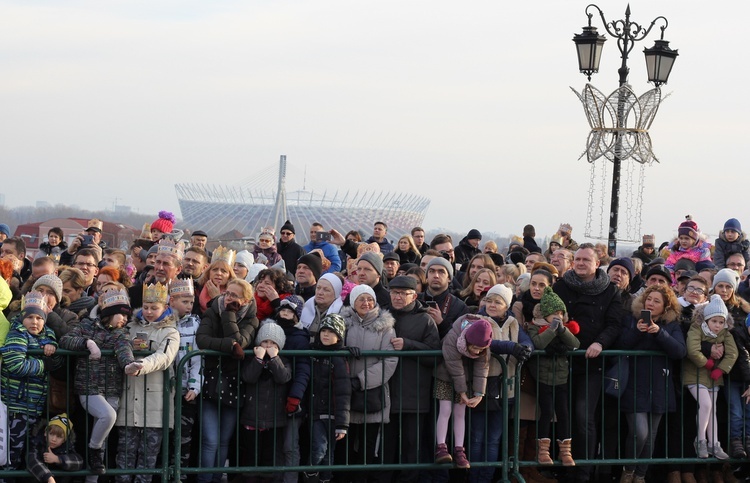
{"x": 467, "y": 103}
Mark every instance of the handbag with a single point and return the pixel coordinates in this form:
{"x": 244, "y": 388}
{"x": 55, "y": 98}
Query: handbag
{"x": 491, "y": 400}
{"x": 616, "y": 376}
{"x": 368, "y": 401}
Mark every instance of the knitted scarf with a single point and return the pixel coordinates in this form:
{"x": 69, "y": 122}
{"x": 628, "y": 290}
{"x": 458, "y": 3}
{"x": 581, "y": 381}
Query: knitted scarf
{"x": 596, "y": 286}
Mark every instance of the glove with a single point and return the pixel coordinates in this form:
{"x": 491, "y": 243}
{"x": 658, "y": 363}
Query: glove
{"x": 232, "y": 306}
{"x": 555, "y": 324}
{"x": 237, "y": 352}
{"x": 710, "y": 364}
{"x": 355, "y": 351}
{"x": 94, "y": 352}
{"x": 716, "y": 374}
{"x": 521, "y": 352}
{"x": 292, "y": 405}
{"x": 356, "y": 385}
{"x": 133, "y": 368}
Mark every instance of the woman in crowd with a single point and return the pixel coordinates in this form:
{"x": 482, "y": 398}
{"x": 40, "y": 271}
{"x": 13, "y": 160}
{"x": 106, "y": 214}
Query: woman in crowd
{"x": 74, "y": 284}
{"x": 477, "y": 262}
{"x": 54, "y": 245}
{"x": 480, "y": 282}
{"x": 266, "y": 249}
{"x": 725, "y": 285}
{"x": 327, "y": 300}
{"x": 523, "y": 308}
{"x": 271, "y": 287}
{"x": 214, "y": 282}
{"x": 407, "y": 250}
{"x": 418, "y": 274}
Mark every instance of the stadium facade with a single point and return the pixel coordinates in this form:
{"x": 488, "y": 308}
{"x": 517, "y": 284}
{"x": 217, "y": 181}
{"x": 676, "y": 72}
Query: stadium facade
{"x": 220, "y": 209}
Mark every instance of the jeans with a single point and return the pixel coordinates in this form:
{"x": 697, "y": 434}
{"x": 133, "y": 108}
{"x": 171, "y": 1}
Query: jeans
{"x": 215, "y": 436}
{"x": 485, "y": 446}
{"x": 640, "y": 442}
{"x": 291, "y": 447}
{"x": 739, "y": 412}
{"x": 587, "y": 391}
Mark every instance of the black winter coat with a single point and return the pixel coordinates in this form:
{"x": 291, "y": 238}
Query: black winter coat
{"x": 218, "y": 332}
{"x": 464, "y": 253}
{"x": 290, "y": 252}
{"x": 741, "y": 370}
{"x": 265, "y": 391}
{"x": 331, "y": 389}
{"x": 451, "y": 307}
{"x": 410, "y": 385}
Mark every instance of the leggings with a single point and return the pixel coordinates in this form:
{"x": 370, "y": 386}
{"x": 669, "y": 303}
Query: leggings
{"x": 707, "y": 425}
{"x": 104, "y": 411}
{"x": 459, "y": 422}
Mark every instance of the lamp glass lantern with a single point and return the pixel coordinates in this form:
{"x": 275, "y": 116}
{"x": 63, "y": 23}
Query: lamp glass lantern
{"x": 589, "y": 46}
{"x": 659, "y": 62}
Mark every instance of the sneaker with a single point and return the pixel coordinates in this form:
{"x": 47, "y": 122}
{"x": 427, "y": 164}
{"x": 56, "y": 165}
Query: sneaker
{"x": 701, "y": 448}
{"x": 718, "y": 452}
{"x": 442, "y": 455}
{"x": 460, "y": 456}
{"x": 738, "y": 451}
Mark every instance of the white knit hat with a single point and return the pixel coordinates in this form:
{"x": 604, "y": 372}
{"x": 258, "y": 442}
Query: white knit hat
{"x": 359, "y": 290}
{"x": 727, "y": 275}
{"x": 715, "y": 307}
{"x": 503, "y": 291}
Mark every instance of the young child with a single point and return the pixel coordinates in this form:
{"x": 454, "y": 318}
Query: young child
{"x": 731, "y": 240}
{"x": 24, "y": 376}
{"x": 140, "y": 417}
{"x": 54, "y": 449}
{"x": 551, "y": 331}
{"x": 689, "y": 244}
{"x": 703, "y": 376}
{"x": 98, "y": 380}
{"x": 331, "y": 394}
{"x": 266, "y": 376}
{"x": 181, "y": 300}
{"x": 466, "y": 363}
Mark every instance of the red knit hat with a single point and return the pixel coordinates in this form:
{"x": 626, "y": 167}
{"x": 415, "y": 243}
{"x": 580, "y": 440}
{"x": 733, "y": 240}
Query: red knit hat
{"x": 165, "y": 222}
{"x": 479, "y": 333}
{"x": 689, "y": 228}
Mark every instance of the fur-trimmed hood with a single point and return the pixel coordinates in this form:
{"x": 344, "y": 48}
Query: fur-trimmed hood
{"x": 169, "y": 320}
{"x": 669, "y": 316}
{"x": 699, "y": 318}
{"x": 742, "y": 238}
{"x": 377, "y": 320}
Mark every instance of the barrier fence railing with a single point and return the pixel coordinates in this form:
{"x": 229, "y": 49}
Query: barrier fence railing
{"x": 387, "y": 446}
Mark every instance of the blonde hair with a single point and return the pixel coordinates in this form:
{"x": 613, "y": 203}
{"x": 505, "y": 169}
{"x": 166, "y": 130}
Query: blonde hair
{"x": 512, "y": 272}
{"x": 247, "y": 288}
{"x": 469, "y": 290}
{"x": 218, "y": 263}
{"x": 412, "y": 246}
{"x": 491, "y": 246}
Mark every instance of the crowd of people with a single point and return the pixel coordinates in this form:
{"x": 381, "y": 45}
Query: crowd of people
{"x": 138, "y": 315}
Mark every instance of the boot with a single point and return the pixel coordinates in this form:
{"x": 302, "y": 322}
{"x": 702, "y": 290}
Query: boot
{"x": 688, "y": 477}
{"x": 442, "y": 455}
{"x": 459, "y": 455}
{"x": 674, "y": 477}
{"x": 737, "y": 449}
{"x": 96, "y": 461}
{"x": 564, "y": 452}
{"x": 542, "y": 455}
{"x": 627, "y": 476}
{"x": 728, "y": 473}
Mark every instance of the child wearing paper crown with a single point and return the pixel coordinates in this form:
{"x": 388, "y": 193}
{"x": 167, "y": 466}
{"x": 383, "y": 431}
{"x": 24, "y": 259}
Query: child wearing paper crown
{"x": 332, "y": 392}
{"x": 24, "y": 376}
{"x": 181, "y": 300}
{"x": 264, "y": 413}
{"x": 466, "y": 363}
{"x": 703, "y": 376}
{"x": 551, "y": 331}
{"x": 140, "y": 417}
{"x": 98, "y": 379}
{"x": 54, "y": 449}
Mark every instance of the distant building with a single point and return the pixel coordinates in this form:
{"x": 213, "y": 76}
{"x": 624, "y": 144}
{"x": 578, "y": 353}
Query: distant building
{"x": 115, "y": 235}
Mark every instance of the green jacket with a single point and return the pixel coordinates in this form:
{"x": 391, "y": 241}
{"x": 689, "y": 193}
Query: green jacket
{"x": 552, "y": 370}
{"x": 693, "y": 369}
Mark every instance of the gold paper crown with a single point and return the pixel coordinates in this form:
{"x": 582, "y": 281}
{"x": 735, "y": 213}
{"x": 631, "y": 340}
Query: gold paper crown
{"x": 155, "y": 294}
{"x": 170, "y": 247}
{"x": 33, "y": 300}
{"x": 95, "y": 224}
{"x": 146, "y": 231}
{"x": 114, "y": 297}
{"x": 182, "y": 286}
{"x": 224, "y": 254}
{"x": 565, "y": 228}
{"x": 556, "y": 238}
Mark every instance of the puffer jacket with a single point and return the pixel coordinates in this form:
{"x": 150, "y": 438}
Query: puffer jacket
{"x": 551, "y": 370}
{"x": 466, "y": 375}
{"x": 105, "y": 375}
{"x": 24, "y": 376}
{"x": 265, "y": 391}
{"x": 142, "y": 400}
{"x": 651, "y": 385}
{"x": 693, "y": 367}
{"x": 331, "y": 389}
{"x": 373, "y": 332}
{"x": 723, "y": 248}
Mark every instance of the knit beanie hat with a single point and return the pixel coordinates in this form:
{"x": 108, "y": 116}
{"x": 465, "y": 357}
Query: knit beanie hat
{"x": 661, "y": 271}
{"x": 443, "y": 263}
{"x": 313, "y": 262}
{"x": 704, "y": 265}
{"x": 33, "y": 303}
{"x": 294, "y": 303}
{"x": 145, "y": 253}
{"x": 273, "y": 332}
{"x": 359, "y": 290}
{"x": 62, "y": 421}
{"x": 689, "y": 228}
{"x": 334, "y": 322}
{"x": 715, "y": 307}
{"x": 649, "y": 240}
{"x": 52, "y": 282}
{"x": 373, "y": 259}
{"x": 479, "y": 333}
{"x": 288, "y": 226}
{"x": 551, "y": 303}
{"x": 503, "y": 291}
{"x": 726, "y": 275}
{"x": 244, "y": 258}
{"x": 165, "y": 222}
{"x": 5, "y": 229}
{"x": 474, "y": 235}
{"x": 335, "y": 282}
{"x": 733, "y": 224}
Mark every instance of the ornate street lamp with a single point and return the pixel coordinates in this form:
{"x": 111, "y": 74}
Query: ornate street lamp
{"x": 611, "y": 136}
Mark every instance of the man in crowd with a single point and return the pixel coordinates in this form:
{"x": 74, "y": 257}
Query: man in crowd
{"x": 594, "y": 302}
{"x": 417, "y": 233}
{"x": 14, "y": 250}
{"x": 91, "y": 237}
{"x": 87, "y": 261}
{"x": 370, "y": 272}
{"x": 199, "y": 239}
{"x": 330, "y": 251}
{"x": 466, "y": 249}
{"x": 39, "y": 268}
{"x": 621, "y": 271}
{"x": 658, "y": 275}
{"x": 288, "y": 248}
{"x": 443, "y": 306}
{"x": 309, "y": 270}
{"x": 562, "y": 260}
{"x": 391, "y": 262}
{"x": 532, "y": 258}
{"x": 114, "y": 257}
{"x": 379, "y": 233}
{"x": 167, "y": 266}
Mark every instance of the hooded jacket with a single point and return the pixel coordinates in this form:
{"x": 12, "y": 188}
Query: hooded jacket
{"x": 723, "y": 248}
{"x": 464, "y": 252}
{"x": 694, "y": 366}
{"x": 551, "y": 369}
{"x": 266, "y": 391}
{"x": 466, "y": 375}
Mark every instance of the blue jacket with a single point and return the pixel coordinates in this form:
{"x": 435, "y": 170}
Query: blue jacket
{"x": 330, "y": 251}
{"x": 385, "y": 246}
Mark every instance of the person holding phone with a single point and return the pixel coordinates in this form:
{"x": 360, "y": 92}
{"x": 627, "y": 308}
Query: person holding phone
{"x": 653, "y": 325}
{"x": 320, "y": 238}
{"x": 90, "y": 238}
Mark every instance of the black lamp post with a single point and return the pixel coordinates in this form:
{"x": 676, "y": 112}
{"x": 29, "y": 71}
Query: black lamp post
{"x": 659, "y": 61}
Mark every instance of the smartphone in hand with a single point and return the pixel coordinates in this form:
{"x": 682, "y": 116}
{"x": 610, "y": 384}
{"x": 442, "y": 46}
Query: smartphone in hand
{"x": 646, "y": 316}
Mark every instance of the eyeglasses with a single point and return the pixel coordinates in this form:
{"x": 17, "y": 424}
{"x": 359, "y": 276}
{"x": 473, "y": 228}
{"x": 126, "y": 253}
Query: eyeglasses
{"x": 402, "y": 293}
{"x": 232, "y": 295}
{"x": 286, "y": 233}
{"x": 735, "y": 265}
{"x": 695, "y": 290}
{"x": 84, "y": 265}
{"x": 266, "y": 240}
